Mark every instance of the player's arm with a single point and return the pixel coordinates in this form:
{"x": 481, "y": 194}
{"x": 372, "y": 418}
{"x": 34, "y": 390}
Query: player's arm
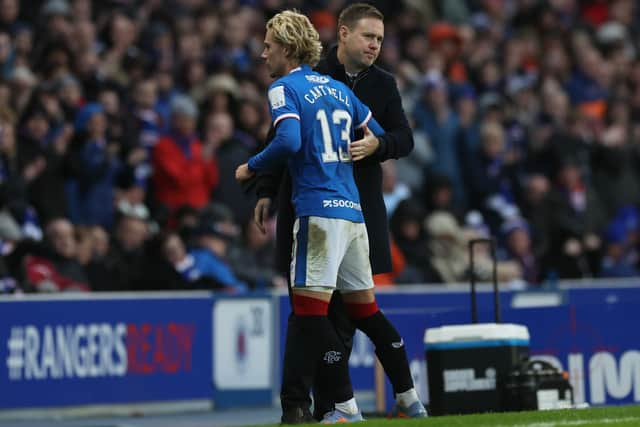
{"x": 285, "y": 113}
{"x": 287, "y": 138}
{"x": 286, "y": 142}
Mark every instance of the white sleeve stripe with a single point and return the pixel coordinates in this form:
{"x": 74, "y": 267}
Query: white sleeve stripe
{"x": 286, "y": 116}
{"x": 365, "y": 121}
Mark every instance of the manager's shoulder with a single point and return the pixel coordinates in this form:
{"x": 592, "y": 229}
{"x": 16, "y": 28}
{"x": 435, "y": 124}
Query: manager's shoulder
{"x": 381, "y": 74}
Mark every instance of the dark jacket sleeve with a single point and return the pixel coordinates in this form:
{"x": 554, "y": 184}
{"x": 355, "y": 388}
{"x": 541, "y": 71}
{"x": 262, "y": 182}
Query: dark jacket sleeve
{"x": 267, "y": 183}
{"x": 398, "y": 138}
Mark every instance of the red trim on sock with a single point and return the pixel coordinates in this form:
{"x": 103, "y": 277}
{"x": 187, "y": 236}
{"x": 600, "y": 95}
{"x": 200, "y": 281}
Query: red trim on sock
{"x": 308, "y": 306}
{"x": 361, "y": 311}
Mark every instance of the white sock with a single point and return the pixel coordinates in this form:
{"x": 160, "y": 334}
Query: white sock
{"x": 350, "y": 406}
{"x": 407, "y": 398}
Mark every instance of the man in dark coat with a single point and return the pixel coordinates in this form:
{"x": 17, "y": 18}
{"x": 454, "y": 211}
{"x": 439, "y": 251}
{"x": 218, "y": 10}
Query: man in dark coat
{"x": 360, "y": 38}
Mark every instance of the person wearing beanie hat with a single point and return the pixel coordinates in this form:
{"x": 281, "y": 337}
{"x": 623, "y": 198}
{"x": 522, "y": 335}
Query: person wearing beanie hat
{"x": 95, "y": 165}
{"x": 85, "y": 114}
{"x": 183, "y": 105}
{"x": 184, "y": 170}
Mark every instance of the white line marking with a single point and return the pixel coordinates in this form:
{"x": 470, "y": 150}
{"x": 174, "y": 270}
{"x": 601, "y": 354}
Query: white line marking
{"x": 578, "y": 422}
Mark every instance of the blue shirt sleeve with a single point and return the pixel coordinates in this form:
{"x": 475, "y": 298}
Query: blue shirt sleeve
{"x": 375, "y": 127}
{"x": 283, "y": 103}
{"x": 285, "y": 143}
{"x": 285, "y": 116}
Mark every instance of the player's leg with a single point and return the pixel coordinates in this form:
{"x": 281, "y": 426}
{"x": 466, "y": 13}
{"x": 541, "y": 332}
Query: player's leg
{"x": 309, "y": 337}
{"x": 329, "y": 383}
{"x": 295, "y": 400}
{"x": 350, "y": 232}
{"x": 313, "y": 271}
{"x": 389, "y": 346}
{"x": 356, "y": 284}
{"x": 294, "y": 396}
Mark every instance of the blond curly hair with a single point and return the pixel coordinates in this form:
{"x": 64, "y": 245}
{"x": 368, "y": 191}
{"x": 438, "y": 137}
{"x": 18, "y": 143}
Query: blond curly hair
{"x": 295, "y": 32}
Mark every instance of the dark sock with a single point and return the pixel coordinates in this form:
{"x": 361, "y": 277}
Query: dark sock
{"x": 295, "y": 386}
{"x": 389, "y": 349}
{"x": 314, "y": 343}
{"x": 332, "y": 382}
{"x": 330, "y": 388}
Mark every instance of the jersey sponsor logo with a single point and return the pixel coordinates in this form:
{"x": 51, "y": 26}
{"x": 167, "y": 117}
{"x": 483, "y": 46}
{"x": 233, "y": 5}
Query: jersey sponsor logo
{"x": 276, "y": 97}
{"x": 317, "y": 79}
{"x": 339, "y": 203}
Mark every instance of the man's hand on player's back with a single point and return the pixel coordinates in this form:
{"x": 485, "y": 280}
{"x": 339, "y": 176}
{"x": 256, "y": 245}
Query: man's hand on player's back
{"x": 364, "y": 147}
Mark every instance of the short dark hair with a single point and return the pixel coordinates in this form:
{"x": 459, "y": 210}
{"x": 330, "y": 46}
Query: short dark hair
{"x": 355, "y": 12}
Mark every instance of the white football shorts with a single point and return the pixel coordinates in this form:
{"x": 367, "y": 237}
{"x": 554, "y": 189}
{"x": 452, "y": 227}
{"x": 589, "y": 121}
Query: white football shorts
{"x": 331, "y": 253}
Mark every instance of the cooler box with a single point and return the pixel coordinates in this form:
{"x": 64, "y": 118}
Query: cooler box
{"x": 468, "y": 365}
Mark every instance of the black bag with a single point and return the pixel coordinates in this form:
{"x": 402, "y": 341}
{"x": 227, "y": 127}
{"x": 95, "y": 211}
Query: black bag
{"x": 536, "y": 384}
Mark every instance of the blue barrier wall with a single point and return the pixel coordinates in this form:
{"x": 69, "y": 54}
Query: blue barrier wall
{"x": 589, "y": 331}
{"x": 69, "y": 351}
{"x": 65, "y": 350}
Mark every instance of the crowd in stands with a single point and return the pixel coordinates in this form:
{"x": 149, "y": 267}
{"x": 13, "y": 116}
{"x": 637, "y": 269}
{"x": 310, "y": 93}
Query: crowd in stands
{"x": 122, "y": 123}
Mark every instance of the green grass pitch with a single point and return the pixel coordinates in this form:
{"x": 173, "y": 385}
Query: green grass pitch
{"x": 626, "y": 416}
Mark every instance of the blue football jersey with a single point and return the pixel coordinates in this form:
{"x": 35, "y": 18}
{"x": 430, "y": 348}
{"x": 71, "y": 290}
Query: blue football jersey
{"x": 321, "y": 170}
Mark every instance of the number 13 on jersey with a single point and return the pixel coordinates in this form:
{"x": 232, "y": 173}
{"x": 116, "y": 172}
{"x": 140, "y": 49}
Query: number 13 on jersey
{"x": 342, "y": 120}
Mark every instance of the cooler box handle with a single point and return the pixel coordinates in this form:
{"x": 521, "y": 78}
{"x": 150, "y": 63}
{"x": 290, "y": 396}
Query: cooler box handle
{"x": 496, "y": 296}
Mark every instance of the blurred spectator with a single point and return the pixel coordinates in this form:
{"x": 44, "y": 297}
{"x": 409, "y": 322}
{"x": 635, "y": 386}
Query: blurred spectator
{"x": 9, "y": 13}
{"x": 399, "y": 273}
{"x": 534, "y": 210}
{"x": 616, "y": 162}
{"x": 257, "y": 254}
{"x": 434, "y": 116}
{"x": 184, "y": 170}
{"x": 92, "y": 248}
{"x": 447, "y": 248}
{"x": 95, "y": 164}
{"x": 518, "y": 245}
{"x": 143, "y": 129}
{"x": 230, "y": 152}
{"x": 445, "y": 39}
{"x": 123, "y": 260}
{"x": 438, "y": 195}
{"x": 157, "y": 268}
{"x": 208, "y": 259}
{"x": 449, "y": 254}
{"x": 393, "y": 191}
{"x": 616, "y": 261}
{"x": 41, "y": 157}
{"x": 56, "y": 267}
{"x": 576, "y": 219}
{"x": 409, "y": 237}
{"x": 492, "y": 174}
